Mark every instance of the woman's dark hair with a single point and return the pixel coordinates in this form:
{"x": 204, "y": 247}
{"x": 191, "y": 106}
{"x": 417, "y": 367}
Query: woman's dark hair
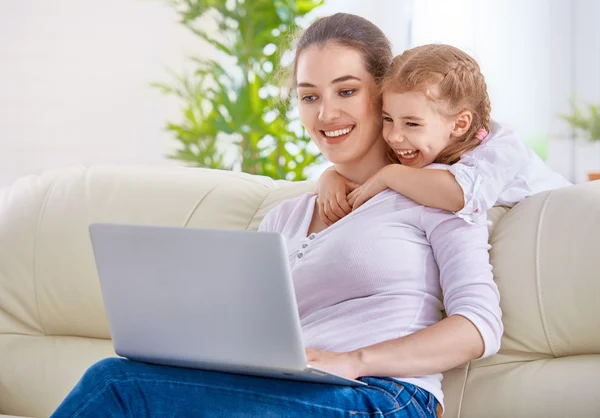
{"x": 351, "y": 31}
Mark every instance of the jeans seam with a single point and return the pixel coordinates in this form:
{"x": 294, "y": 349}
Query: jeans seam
{"x": 403, "y": 387}
{"x": 236, "y": 390}
{"x": 430, "y": 399}
{"x": 92, "y": 398}
{"x": 419, "y": 408}
{"x": 412, "y": 400}
{"x": 288, "y": 399}
{"x": 391, "y": 398}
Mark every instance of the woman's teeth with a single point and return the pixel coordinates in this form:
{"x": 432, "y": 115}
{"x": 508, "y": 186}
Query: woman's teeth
{"x": 338, "y": 132}
{"x": 408, "y": 155}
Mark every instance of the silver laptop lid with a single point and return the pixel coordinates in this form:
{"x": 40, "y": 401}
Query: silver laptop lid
{"x": 199, "y": 296}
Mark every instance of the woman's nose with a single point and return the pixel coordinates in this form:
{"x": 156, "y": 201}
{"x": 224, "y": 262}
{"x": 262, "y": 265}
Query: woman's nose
{"x": 328, "y": 112}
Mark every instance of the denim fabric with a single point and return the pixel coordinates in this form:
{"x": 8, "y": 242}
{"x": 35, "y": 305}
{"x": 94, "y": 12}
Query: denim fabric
{"x": 122, "y": 388}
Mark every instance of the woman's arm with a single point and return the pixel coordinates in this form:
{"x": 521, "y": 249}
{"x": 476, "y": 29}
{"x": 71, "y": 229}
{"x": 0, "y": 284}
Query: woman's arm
{"x": 473, "y": 328}
{"x": 447, "y": 344}
{"x": 437, "y": 348}
{"x": 429, "y": 187}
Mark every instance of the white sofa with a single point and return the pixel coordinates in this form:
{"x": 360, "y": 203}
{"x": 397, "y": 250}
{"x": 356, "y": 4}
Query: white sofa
{"x": 546, "y": 258}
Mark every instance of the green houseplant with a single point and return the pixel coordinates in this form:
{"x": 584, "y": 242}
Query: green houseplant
{"x": 244, "y": 109}
{"x": 586, "y": 121}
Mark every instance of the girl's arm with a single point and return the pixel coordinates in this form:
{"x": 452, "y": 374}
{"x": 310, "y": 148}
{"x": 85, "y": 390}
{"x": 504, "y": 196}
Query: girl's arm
{"x": 435, "y": 188}
{"x": 332, "y": 190}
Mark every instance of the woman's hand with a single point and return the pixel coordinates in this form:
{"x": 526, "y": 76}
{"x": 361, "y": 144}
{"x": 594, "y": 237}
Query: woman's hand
{"x": 332, "y": 198}
{"x": 343, "y": 364}
{"x": 375, "y": 185}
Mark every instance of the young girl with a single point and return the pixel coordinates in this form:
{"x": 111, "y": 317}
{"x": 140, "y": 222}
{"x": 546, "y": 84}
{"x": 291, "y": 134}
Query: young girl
{"x": 436, "y": 109}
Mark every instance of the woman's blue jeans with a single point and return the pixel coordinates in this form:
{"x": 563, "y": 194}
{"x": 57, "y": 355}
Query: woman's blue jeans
{"x": 117, "y": 387}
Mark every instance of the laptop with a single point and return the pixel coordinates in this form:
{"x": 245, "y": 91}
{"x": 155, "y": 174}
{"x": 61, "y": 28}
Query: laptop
{"x": 219, "y": 300}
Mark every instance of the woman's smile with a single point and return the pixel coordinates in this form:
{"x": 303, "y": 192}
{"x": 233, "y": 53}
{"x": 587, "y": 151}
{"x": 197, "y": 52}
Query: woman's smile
{"x": 336, "y": 135}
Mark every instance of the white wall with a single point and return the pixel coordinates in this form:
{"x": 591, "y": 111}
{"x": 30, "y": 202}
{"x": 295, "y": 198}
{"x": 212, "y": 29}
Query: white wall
{"x": 74, "y": 81}
{"x": 74, "y": 74}
{"x": 392, "y": 16}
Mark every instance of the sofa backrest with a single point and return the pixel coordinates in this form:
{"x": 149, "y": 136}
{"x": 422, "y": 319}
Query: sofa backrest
{"x": 53, "y": 324}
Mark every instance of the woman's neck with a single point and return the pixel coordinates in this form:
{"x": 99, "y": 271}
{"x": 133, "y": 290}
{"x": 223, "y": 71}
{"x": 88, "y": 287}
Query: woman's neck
{"x": 361, "y": 170}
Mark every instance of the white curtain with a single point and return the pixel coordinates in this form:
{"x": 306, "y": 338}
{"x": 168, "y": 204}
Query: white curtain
{"x": 535, "y": 54}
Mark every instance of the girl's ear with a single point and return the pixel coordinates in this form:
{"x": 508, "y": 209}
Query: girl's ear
{"x": 462, "y": 123}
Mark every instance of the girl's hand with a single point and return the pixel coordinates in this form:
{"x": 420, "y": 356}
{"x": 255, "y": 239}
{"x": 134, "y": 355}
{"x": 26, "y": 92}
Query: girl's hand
{"x": 343, "y": 364}
{"x": 372, "y": 187}
{"x": 332, "y": 198}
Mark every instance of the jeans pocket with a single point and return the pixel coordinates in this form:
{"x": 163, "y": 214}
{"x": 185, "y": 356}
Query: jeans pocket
{"x": 411, "y": 400}
{"x": 422, "y": 402}
{"x": 388, "y": 390}
{"x": 401, "y": 393}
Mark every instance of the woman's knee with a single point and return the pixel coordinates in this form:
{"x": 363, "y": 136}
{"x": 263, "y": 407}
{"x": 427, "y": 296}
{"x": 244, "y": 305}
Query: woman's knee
{"x": 106, "y": 369}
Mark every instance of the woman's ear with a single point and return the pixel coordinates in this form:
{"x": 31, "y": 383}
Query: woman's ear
{"x": 462, "y": 123}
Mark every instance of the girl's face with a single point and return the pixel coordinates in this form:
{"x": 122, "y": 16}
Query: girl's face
{"x": 336, "y": 106}
{"x": 414, "y": 129}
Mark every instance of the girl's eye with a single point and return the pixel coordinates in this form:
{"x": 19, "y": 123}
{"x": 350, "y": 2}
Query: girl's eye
{"x": 309, "y": 98}
{"x": 347, "y": 93}
{"x": 387, "y": 119}
{"x": 412, "y": 124}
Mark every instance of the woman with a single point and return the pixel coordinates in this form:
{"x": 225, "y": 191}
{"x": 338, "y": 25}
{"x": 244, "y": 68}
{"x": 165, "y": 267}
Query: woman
{"x": 377, "y": 311}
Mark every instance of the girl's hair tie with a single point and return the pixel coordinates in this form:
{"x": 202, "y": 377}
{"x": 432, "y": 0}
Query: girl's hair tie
{"x": 481, "y": 134}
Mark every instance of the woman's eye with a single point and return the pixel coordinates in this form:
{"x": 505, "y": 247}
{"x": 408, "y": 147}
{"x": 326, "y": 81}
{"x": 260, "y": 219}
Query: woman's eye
{"x": 412, "y": 124}
{"x": 309, "y": 98}
{"x": 387, "y": 119}
{"x": 347, "y": 93}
